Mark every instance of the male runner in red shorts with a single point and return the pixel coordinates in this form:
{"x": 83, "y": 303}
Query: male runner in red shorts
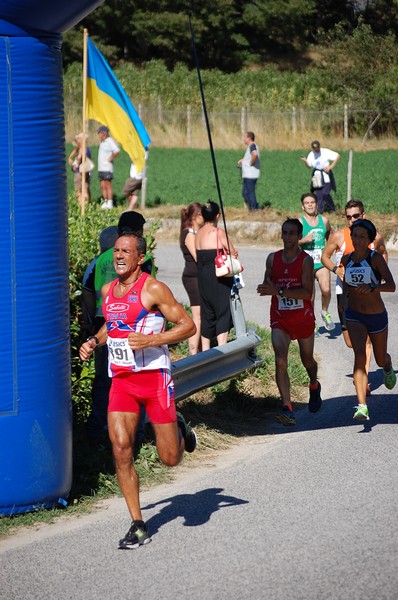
{"x": 135, "y": 307}
{"x": 289, "y": 279}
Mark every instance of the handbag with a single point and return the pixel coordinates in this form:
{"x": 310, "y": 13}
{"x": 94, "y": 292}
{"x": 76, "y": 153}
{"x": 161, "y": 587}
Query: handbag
{"x": 225, "y": 264}
{"x": 88, "y": 165}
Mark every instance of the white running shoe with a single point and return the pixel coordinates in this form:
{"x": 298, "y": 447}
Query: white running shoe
{"x": 107, "y": 204}
{"x": 327, "y": 319}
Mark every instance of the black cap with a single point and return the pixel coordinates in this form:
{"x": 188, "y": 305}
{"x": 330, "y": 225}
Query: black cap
{"x": 131, "y": 221}
{"x": 315, "y": 144}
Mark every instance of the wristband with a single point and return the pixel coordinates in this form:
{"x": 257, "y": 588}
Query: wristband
{"x": 334, "y": 269}
{"x": 93, "y": 337}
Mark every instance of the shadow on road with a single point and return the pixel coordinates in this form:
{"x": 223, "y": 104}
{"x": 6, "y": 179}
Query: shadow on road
{"x": 338, "y": 412}
{"x": 195, "y": 509}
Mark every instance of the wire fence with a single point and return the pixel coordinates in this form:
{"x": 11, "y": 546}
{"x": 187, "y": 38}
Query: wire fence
{"x": 186, "y": 127}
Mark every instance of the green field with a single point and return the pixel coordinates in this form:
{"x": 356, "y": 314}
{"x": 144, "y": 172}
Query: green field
{"x": 181, "y": 176}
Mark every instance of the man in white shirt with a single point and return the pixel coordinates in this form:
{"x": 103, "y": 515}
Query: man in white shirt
{"x": 322, "y": 161}
{"x": 250, "y": 165}
{"x": 108, "y": 151}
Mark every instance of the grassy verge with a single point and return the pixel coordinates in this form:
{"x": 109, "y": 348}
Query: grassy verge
{"x": 221, "y": 416}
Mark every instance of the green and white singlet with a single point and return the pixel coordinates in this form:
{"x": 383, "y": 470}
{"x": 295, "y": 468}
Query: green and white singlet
{"x": 315, "y": 248}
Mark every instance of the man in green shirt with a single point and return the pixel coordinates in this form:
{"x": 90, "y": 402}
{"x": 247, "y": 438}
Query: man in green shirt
{"x": 316, "y": 230}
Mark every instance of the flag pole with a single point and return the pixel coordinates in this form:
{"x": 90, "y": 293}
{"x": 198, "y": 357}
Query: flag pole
{"x": 83, "y": 192}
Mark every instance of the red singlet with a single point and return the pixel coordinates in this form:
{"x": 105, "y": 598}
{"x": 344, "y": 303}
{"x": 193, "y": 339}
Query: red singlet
{"x": 295, "y": 317}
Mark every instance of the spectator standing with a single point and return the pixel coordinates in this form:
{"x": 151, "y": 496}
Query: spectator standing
{"x": 215, "y": 292}
{"x": 75, "y": 161}
{"x": 136, "y": 307}
{"x": 322, "y": 162}
{"x": 366, "y": 275}
{"x": 289, "y": 279}
{"x": 108, "y": 151}
{"x": 191, "y": 221}
{"x": 250, "y": 165}
{"x": 316, "y": 230}
{"x": 133, "y": 185}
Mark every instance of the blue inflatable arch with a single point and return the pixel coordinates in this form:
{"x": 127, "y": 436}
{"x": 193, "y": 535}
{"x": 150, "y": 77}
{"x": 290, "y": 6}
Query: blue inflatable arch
{"x": 35, "y": 396}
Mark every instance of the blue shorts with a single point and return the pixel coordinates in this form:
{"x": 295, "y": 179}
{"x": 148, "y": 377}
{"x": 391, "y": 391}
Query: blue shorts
{"x": 374, "y": 323}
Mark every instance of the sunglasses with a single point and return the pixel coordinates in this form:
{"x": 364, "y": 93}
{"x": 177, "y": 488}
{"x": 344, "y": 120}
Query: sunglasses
{"x": 354, "y": 216}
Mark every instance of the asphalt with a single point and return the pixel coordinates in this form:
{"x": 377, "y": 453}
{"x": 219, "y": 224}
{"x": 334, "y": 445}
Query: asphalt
{"x": 296, "y": 513}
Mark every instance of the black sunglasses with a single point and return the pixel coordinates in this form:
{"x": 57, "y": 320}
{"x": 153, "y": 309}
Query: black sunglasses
{"x": 354, "y": 216}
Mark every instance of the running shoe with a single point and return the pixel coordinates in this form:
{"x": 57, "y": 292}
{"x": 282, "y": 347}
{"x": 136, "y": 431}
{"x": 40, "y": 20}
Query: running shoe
{"x": 107, "y": 204}
{"x": 316, "y": 331}
{"x": 390, "y": 379}
{"x": 286, "y": 416}
{"x": 188, "y": 433}
{"x": 136, "y": 536}
{"x": 361, "y": 413}
{"x": 327, "y": 319}
{"x": 315, "y": 401}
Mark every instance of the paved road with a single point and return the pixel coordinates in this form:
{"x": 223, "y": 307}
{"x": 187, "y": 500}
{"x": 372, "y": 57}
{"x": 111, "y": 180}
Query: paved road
{"x": 308, "y": 513}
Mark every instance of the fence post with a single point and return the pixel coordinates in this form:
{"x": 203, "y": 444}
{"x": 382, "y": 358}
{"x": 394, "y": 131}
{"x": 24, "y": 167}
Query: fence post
{"x": 302, "y": 121}
{"x": 144, "y": 184}
{"x": 160, "y": 112}
{"x": 188, "y": 125}
{"x": 345, "y": 123}
{"x": 294, "y": 120}
{"x": 243, "y": 121}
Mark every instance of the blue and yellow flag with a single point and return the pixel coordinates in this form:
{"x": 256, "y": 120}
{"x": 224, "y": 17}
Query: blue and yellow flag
{"x": 108, "y": 103}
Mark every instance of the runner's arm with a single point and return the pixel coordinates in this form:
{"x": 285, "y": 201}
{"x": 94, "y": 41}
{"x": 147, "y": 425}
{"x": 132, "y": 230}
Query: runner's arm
{"x": 157, "y": 295}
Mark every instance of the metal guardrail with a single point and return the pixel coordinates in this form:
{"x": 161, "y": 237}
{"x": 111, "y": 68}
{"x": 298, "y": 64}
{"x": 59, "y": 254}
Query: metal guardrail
{"x": 207, "y": 368}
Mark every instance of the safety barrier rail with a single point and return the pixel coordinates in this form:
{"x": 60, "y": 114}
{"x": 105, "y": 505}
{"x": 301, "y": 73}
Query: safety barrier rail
{"x": 207, "y": 368}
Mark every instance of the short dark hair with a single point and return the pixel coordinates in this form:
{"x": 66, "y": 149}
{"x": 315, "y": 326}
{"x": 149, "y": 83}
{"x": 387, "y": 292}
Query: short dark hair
{"x": 251, "y": 135}
{"x": 354, "y": 203}
{"x": 296, "y": 222}
{"x": 209, "y": 211}
{"x": 365, "y": 224}
{"x": 308, "y": 195}
{"x": 141, "y": 242}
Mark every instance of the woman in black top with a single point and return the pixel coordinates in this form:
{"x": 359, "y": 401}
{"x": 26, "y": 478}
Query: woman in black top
{"x": 191, "y": 221}
{"x": 215, "y": 292}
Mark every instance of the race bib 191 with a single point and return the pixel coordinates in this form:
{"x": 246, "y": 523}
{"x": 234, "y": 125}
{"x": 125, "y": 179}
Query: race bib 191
{"x": 120, "y": 353}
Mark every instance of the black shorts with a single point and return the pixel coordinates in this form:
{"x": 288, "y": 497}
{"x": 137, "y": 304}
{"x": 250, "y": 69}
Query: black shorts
{"x": 105, "y": 175}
